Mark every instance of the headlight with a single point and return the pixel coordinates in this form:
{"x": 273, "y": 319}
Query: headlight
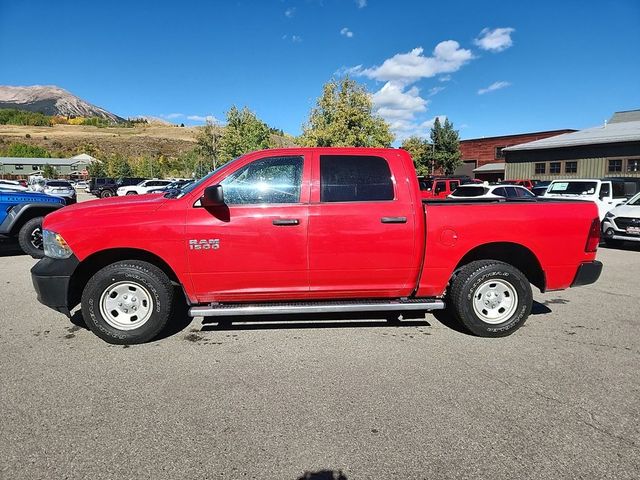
{"x": 609, "y": 215}
{"x": 55, "y": 246}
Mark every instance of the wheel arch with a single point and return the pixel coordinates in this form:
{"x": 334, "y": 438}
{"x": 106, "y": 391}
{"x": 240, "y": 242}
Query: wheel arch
{"x": 514, "y": 254}
{"x": 26, "y": 212}
{"x": 96, "y": 261}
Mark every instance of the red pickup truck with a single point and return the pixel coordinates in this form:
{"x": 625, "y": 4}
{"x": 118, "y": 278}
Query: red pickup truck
{"x": 310, "y": 230}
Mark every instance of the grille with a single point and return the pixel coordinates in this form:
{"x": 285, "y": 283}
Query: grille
{"x": 623, "y": 222}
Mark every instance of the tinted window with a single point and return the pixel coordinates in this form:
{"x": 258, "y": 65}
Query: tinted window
{"x": 268, "y": 180}
{"x": 523, "y": 193}
{"x": 573, "y": 188}
{"x": 440, "y": 187}
{"x": 346, "y": 178}
{"x": 59, "y": 184}
{"x": 619, "y": 190}
{"x": 605, "y": 191}
{"x": 469, "y": 191}
{"x": 502, "y": 192}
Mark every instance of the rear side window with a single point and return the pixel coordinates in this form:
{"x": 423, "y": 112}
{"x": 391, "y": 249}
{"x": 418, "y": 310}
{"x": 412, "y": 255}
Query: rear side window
{"x": 354, "y": 178}
{"x": 523, "y": 193}
{"x": 502, "y": 191}
{"x": 469, "y": 191}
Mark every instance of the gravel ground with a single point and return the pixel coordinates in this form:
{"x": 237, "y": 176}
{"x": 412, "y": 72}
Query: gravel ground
{"x": 308, "y": 399}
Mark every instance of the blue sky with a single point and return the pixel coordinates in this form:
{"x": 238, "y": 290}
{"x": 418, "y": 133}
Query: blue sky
{"x": 491, "y": 67}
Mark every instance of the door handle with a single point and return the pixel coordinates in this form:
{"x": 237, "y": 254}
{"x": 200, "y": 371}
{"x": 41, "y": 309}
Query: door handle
{"x": 393, "y": 220}
{"x": 284, "y": 222}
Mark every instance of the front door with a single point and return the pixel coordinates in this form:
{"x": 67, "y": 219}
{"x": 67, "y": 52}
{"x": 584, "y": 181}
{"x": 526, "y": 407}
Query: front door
{"x": 254, "y": 248}
{"x": 362, "y": 228}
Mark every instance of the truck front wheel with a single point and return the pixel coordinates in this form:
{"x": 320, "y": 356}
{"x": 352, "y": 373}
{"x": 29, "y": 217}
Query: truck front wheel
{"x": 491, "y": 298}
{"x": 127, "y": 302}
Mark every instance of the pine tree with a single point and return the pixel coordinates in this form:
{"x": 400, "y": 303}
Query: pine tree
{"x": 446, "y": 146}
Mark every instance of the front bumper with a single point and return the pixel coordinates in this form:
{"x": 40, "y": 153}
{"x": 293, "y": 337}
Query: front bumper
{"x": 51, "y": 279}
{"x": 588, "y": 273}
{"x": 610, "y": 231}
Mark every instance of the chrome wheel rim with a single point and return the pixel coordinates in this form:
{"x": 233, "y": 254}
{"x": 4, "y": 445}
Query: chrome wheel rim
{"x": 494, "y": 301}
{"x": 126, "y": 305}
{"x": 36, "y": 238}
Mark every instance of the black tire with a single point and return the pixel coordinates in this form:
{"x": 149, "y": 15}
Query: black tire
{"x": 106, "y": 194}
{"x": 132, "y": 193}
{"x": 476, "y": 277}
{"x": 149, "y": 282}
{"x": 30, "y": 237}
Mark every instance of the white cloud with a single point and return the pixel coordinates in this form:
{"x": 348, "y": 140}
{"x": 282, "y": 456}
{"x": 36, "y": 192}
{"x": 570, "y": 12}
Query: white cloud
{"x": 435, "y": 90}
{"x": 493, "y": 87}
{"x": 495, "y": 40}
{"x": 346, "y": 32}
{"x": 290, "y": 12}
{"x": 203, "y": 118}
{"x": 361, "y": 3}
{"x": 404, "y": 129}
{"x": 172, "y": 116}
{"x": 444, "y": 78}
{"x": 293, "y": 38}
{"x": 395, "y": 102}
{"x": 412, "y": 66}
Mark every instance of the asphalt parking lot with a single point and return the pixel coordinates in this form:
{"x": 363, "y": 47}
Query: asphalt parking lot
{"x": 361, "y": 398}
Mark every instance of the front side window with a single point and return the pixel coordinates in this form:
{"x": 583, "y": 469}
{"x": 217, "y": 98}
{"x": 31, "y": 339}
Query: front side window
{"x": 615, "y": 166}
{"x": 355, "y": 178}
{"x": 605, "y": 191}
{"x": 541, "y": 167}
{"x": 268, "y": 180}
{"x": 554, "y": 167}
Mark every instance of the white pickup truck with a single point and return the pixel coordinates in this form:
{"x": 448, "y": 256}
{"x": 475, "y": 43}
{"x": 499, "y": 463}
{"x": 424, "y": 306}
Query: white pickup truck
{"x": 606, "y": 194}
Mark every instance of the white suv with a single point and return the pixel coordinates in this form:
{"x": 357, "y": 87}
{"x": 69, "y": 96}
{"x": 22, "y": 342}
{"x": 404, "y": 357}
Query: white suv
{"x": 606, "y": 194}
{"x": 142, "y": 187}
{"x": 622, "y": 223}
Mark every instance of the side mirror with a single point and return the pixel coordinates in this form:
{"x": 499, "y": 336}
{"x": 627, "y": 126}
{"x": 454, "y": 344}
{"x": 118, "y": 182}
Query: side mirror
{"x": 213, "y": 196}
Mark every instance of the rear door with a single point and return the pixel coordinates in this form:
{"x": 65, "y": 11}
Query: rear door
{"x": 362, "y": 240}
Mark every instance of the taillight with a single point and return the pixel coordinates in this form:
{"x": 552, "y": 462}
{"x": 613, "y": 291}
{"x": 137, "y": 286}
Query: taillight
{"x": 593, "y": 240}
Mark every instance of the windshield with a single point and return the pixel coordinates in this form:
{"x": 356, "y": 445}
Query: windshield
{"x": 635, "y": 201}
{"x": 573, "y": 188}
{"x": 469, "y": 191}
{"x": 59, "y": 184}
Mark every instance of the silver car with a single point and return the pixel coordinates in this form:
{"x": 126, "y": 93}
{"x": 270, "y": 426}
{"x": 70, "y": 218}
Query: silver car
{"x": 62, "y": 189}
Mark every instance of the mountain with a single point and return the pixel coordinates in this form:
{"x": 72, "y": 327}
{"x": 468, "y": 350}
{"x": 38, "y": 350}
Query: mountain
{"x": 51, "y": 100}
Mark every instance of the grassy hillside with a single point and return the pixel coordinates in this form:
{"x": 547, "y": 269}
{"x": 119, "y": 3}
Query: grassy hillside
{"x": 141, "y": 140}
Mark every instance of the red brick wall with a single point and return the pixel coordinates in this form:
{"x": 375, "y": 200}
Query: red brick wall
{"x": 483, "y": 150}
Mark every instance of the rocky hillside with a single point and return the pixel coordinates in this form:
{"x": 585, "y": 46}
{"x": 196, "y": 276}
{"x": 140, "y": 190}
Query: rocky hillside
{"x": 51, "y": 100}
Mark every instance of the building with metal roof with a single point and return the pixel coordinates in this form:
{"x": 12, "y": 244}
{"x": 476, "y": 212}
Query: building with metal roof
{"x": 612, "y": 149}
{"x": 22, "y": 167}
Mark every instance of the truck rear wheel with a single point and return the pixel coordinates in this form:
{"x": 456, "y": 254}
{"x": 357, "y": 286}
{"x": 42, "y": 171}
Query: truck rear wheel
{"x": 106, "y": 194}
{"x": 30, "y": 237}
{"x": 491, "y": 298}
{"x": 127, "y": 302}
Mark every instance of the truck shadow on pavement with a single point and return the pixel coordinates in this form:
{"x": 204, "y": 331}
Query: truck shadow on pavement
{"x": 10, "y": 248}
{"x": 323, "y": 475}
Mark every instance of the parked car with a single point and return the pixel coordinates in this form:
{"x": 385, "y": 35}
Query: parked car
{"x": 439, "y": 187}
{"x": 298, "y": 230}
{"x": 475, "y": 191}
{"x": 176, "y": 184}
{"x": 622, "y": 224}
{"x": 142, "y": 187}
{"x": 62, "y": 189}
{"x": 606, "y": 194}
{"x": 12, "y": 185}
{"x": 528, "y": 184}
{"x": 540, "y": 188}
{"x": 21, "y": 215}
{"x": 97, "y": 184}
{"x": 82, "y": 185}
{"x": 111, "y": 189}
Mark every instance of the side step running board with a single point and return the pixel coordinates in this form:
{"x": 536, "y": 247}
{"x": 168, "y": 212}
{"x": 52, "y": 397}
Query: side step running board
{"x": 316, "y": 307}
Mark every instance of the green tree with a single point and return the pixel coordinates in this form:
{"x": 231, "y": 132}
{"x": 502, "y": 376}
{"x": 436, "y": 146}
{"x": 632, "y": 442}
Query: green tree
{"x": 420, "y": 150}
{"x": 26, "y": 151}
{"x": 118, "y": 167}
{"x": 97, "y": 169}
{"x": 244, "y": 133}
{"x": 208, "y": 140}
{"x": 49, "y": 171}
{"x": 446, "y": 146}
{"x": 343, "y": 116}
